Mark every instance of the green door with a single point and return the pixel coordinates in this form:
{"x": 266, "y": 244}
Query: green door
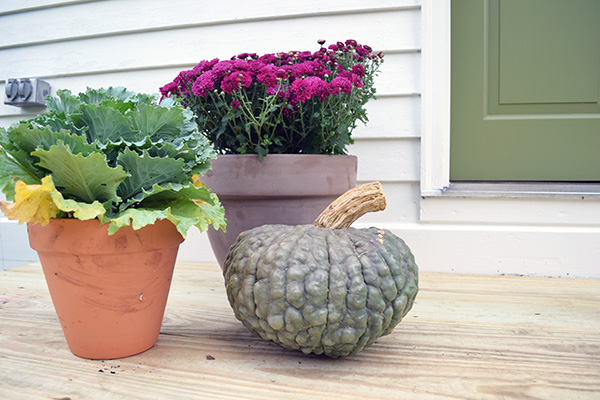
{"x": 525, "y": 84}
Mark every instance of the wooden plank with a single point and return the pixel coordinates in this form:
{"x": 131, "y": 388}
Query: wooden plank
{"x": 128, "y": 16}
{"x": 467, "y": 337}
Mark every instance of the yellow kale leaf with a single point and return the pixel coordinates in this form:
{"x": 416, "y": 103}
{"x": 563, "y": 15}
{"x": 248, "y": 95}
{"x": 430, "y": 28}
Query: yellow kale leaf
{"x": 33, "y": 203}
{"x": 196, "y": 181}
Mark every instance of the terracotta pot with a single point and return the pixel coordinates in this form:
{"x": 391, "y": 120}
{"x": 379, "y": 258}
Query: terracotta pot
{"x": 289, "y": 189}
{"x": 109, "y": 291}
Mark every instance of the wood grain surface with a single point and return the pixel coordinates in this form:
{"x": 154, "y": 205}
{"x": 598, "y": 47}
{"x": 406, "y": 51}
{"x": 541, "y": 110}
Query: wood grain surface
{"x": 467, "y": 337}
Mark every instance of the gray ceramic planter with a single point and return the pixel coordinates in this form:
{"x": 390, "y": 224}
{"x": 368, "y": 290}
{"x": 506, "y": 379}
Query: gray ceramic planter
{"x": 289, "y": 189}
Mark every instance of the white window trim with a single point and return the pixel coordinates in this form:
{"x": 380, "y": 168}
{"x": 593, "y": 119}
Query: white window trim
{"x": 452, "y": 202}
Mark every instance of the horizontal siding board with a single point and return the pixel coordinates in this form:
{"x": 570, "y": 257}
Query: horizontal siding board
{"x": 14, "y": 244}
{"x": 5, "y": 122}
{"x": 391, "y": 117}
{"x": 10, "y": 114}
{"x": 120, "y": 17}
{"x": 395, "y": 114}
{"x": 145, "y": 81}
{"x": 395, "y": 77}
{"x": 387, "y": 159}
{"x": 383, "y": 31}
{"x": 22, "y": 6}
{"x": 402, "y": 204}
{"x": 398, "y": 76}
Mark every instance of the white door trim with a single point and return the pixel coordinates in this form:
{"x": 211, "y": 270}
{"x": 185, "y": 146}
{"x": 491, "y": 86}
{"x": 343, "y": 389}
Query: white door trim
{"x": 435, "y": 97}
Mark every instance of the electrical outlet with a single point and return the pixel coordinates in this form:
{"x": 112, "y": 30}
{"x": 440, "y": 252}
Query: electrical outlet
{"x": 26, "y": 92}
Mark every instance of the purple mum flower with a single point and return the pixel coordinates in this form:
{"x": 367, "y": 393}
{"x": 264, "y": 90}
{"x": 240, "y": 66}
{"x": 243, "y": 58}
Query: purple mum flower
{"x": 300, "y": 70}
{"x": 340, "y": 83}
{"x": 345, "y": 74}
{"x": 204, "y": 66}
{"x": 241, "y": 65}
{"x": 358, "y": 69}
{"x": 255, "y": 67}
{"x": 302, "y": 89}
{"x": 222, "y": 68}
{"x": 362, "y": 50}
{"x": 356, "y": 81}
{"x": 203, "y": 84}
{"x": 320, "y": 87}
{"x": 281, "y": 73}
{"x": 235, "y": 104}
{"x": 245, "y": 79}
{"x": 267, "y": 58}
{"x": 168, "y": 89}
{"x": 230, "y": 83}
{"x": 267, "y": 78}
{"x": 236, "y": 81}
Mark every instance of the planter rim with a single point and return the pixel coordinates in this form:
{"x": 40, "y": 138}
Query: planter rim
{"x": 312, "y": 174}
{"x": 277, "y": 155}
{"x": 91, "y": 237}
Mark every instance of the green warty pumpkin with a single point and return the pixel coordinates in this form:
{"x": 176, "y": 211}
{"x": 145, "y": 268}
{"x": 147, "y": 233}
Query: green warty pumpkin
{"x": 320, "y": 290}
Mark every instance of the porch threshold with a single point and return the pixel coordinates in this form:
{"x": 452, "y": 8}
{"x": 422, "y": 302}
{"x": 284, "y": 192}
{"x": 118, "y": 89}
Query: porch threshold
{"x": 538, "y": 190}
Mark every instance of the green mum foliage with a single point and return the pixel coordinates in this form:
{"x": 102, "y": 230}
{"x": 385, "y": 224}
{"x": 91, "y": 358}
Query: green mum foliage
{"x": 138, "y": 159}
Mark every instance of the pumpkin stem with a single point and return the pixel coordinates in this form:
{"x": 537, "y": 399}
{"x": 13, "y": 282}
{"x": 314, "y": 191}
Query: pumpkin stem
{"x": 352, "y": 205}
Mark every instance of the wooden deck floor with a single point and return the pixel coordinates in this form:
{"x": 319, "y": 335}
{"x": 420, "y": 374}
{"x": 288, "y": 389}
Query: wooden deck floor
{"x": 467, "y": 337}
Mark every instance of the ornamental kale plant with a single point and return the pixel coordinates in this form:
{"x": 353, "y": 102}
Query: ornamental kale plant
{"x": 109, "y": 154}
{"x": 293, "y": 102}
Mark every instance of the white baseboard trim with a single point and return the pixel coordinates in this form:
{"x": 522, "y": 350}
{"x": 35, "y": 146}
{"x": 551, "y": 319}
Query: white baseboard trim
{"x": 509, "y": 250}
{"x": 468, "y": 249}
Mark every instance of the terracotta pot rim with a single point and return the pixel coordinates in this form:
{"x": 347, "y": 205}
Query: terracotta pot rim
{"x": 91, "y": 237}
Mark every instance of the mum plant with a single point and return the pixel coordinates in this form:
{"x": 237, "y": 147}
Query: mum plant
{"x": 292, "y": 102}
{"x": 109, "y": 154}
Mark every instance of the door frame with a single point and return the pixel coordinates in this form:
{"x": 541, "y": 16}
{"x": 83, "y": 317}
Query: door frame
{"x": 435, "y": 97}
{"x": 469, "y": 202}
